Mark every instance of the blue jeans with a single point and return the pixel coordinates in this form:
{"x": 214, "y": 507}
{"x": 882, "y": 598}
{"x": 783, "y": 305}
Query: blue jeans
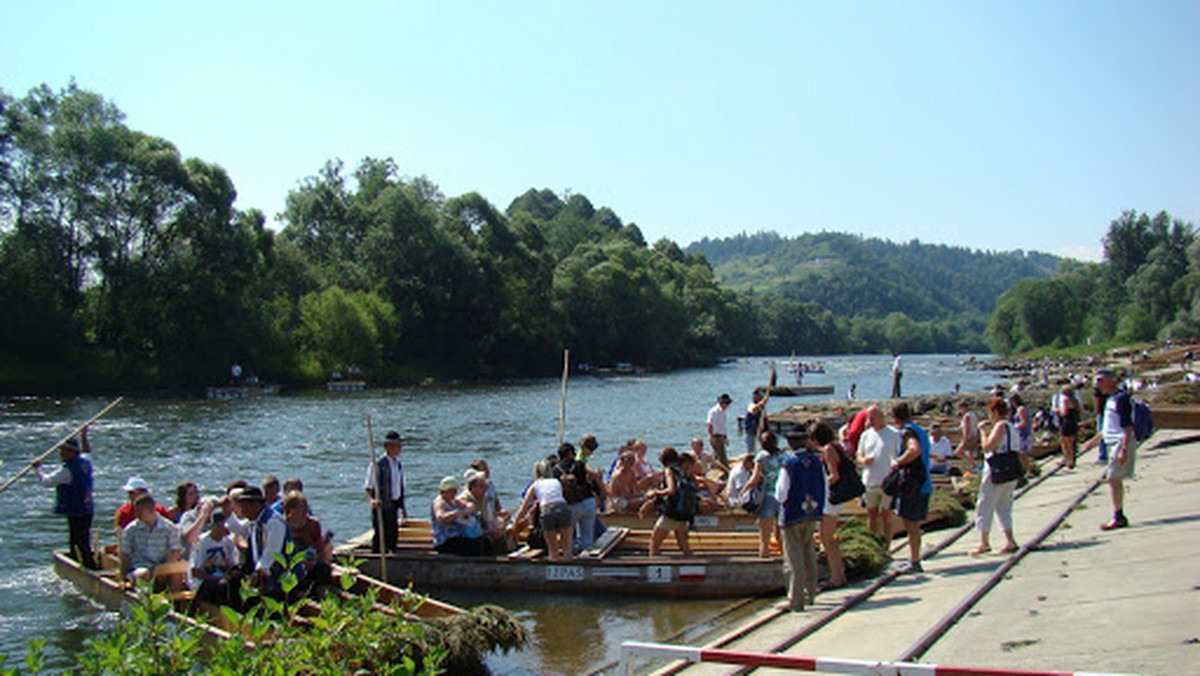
{"x": 583, "y": 515}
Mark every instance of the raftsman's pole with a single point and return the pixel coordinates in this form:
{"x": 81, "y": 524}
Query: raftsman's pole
{"x": 379, "y": 524}
{"x": 562, "y": 406}
{"x": 62, "y": 441}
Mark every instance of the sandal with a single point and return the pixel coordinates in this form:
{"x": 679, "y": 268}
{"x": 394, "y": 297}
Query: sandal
{"x": 1009, "y": 549}
{"x": 980, "y": 551}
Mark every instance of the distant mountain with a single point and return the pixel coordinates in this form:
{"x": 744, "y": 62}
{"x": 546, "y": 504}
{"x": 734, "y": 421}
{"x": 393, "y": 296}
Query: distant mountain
{"x": 857, "y": 277}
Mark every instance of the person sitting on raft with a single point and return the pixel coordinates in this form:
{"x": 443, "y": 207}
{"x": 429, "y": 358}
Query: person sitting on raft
{"x": 308, "y": 537}
{"x": 475, "y": 494}
{"x": 708, "y": 491}
{"x": 625, "y": 492}
{"x": 456, "y": 525}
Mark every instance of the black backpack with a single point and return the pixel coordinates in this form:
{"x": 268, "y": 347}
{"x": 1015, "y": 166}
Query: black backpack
{"x": 573, "y": 476}
{"x": 682, "y": 505}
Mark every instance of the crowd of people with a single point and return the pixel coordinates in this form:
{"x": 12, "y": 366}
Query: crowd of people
{"x": 791, "y": 493}
{"x": 220, "y": 540}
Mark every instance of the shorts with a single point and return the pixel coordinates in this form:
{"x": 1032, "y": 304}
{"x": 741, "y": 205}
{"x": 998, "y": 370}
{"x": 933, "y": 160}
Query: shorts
{"x": 875, "y": 498}
{"x": 769, "y": 509}
{"x": 915, "y": 508}
{"x": 668, "y": 524}
{"x": 556, "y": 516}
{"x": 1116, "y": 471}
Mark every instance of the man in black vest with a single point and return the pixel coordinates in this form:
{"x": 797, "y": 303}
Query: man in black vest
{"x": 385, "y": 491}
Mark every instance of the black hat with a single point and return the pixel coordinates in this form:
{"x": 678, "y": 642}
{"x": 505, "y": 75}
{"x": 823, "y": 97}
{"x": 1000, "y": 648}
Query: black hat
{"x": 392, "y": 437}
{"x": 251, "y": 494}
{"x": 724, "y": 399}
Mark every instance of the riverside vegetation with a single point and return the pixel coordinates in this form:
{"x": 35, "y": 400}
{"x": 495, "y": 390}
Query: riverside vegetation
{"x": 124, "y": 265}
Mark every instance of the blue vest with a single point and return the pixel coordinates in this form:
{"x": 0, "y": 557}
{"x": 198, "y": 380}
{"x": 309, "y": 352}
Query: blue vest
{"x": 383, "y": 475}
{"x": 75, "y": 498}
{"x": 806, "y": 488}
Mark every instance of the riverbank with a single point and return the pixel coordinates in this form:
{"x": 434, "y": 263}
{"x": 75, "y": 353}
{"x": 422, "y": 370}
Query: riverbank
{"x": 1078, "y": 599}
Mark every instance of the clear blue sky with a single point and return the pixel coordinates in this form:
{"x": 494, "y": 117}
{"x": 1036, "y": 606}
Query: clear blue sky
{"x": 996, "y": 125}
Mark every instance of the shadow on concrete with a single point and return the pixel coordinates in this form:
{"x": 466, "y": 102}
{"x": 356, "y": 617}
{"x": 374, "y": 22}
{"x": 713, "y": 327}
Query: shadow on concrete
{"x": 984, "y": 564}
{"x": 1064, "y": 546}
{"x": 1167, "y": 521}
{"x": 872, "y": 603}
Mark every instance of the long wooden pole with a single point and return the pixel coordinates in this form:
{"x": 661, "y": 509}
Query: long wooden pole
{"x": 380, "y": 525}
{"x": 562, "y": 406}
{"x": 62, "y": 441}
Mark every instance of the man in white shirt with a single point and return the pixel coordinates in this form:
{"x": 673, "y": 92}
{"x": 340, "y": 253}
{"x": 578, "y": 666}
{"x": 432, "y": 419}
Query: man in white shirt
{"x": 268, "y": 534}
{"x": 718, "y": 428}
{"x": 941, "y": 451}
{"x": 385, "y": 489}
{"x": 897, "y": 374}
{"x": 876, "y": 449}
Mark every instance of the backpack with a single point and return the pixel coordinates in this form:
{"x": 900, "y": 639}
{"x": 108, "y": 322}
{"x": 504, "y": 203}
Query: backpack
{"x": 682, "y": 504}
{"x": 574, "y": 490}
{"x": 1143, "y": 420}
{"x": 849, "y": 484}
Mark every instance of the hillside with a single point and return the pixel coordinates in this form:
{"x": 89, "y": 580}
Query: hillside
{"x": 856, "y": 277}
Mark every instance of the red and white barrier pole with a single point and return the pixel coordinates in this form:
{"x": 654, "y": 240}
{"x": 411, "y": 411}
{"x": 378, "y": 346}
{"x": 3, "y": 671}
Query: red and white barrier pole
{"x": 827, "y": 665}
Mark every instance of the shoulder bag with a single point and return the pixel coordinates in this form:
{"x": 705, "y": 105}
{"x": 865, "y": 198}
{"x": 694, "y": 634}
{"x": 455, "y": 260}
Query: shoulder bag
{"x": 1005, "y": 466}
{"x": 849, "y": 485}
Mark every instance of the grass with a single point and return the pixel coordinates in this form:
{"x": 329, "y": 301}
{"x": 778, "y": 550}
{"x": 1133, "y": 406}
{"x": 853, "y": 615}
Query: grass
{"x": 865, "y": 553}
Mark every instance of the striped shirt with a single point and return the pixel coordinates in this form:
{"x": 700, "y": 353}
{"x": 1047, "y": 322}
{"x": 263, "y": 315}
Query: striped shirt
{"x": 147, "y": 546}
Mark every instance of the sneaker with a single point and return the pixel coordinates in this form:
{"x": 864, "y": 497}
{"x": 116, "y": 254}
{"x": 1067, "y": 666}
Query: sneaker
{"x": 1115, "y": 524}
{"x": 914, "y": 567}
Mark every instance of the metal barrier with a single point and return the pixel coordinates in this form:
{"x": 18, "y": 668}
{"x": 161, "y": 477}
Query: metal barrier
{"x": 632, "y": 649}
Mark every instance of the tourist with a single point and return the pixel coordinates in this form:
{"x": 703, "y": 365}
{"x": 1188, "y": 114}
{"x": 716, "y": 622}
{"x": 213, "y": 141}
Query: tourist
{"x": 624, "y": 489}
{"x": 800, "y": 491}
{"x": 754, "y": 421}
{"x": 996, "y": 498}
{"x": 820, "y": 440}
{"x": 554, "y": 515}
{"x": 1067, "y": 408}
{"x": 876, "y": 449}
{"x": 736, "y": 493}
{"x": 914, "y": 447}
{"x": 187, "y": 496}
{"x": 718, "y": 428}
{"x": 941, "y": 452}
{"x": 475, "y": 494}
{"x": 1116, "y": 431}
{"x": 897, "y": 374}
{"x": 272, "y": 495}
{"x": 584, "y": 513}
{"x": 73, "y": 496}
{"x": 385, "y": 488}
{"x": 456, "y": 525}
{"x": 708, "y": 491}
{"x": 150, "y": 540}
{"x": 308, "y": 539}
{"x": 708, "y": 462}
{"x": 493, "y": 497}
{"x": 213, "y": 571}
{"x": 672, "y": 498}
{"x": 968, "y": 429}
{"x": 766, "y": 470}
{"x": 134, "y": 487}
{"x": 1023, "y": 421}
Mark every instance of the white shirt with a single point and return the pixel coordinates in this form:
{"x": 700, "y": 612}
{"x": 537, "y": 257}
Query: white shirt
{"x": 717, "y": 421}
{"x": 940, "y": 451}
{"x": 215, "y": 555}
{"x": 880, "y": 445}
{"x": 548, "y": 491}
{"x": 396, "y": 474}
{"x": 896, "y": 365}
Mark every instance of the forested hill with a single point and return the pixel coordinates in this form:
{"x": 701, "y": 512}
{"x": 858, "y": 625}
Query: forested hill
{"x": 859, "y": 277}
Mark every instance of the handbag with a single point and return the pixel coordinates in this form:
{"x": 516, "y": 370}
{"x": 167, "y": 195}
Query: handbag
{"x": 751, "y": 500}
{"x": 849, "y": 485}
{"x": 905, "y": 481}
{"x": 1005, "y": 467}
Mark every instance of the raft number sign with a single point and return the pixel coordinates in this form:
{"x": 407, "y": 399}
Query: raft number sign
{"x": 564, "y": 573}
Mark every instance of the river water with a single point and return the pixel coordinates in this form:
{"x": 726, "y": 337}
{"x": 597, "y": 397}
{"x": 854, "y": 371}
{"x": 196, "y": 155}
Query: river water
{"x": 322, "y": 439}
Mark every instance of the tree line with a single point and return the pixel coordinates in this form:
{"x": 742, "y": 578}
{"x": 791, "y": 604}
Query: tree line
{"x": 125, "y": 265}
{"x": 1146, "y": 287}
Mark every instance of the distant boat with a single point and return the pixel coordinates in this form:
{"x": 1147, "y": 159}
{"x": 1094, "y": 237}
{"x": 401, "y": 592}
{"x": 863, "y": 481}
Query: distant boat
{"x": 242, "y": 391}
{"x": 346, "y": 385}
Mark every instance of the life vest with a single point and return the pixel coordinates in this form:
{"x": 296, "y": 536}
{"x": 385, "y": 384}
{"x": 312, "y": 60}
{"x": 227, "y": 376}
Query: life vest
{"x": 75, "y": 498}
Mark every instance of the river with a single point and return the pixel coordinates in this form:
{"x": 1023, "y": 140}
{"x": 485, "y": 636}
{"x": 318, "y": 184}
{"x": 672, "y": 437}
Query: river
{"x": 321, "y": 438}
